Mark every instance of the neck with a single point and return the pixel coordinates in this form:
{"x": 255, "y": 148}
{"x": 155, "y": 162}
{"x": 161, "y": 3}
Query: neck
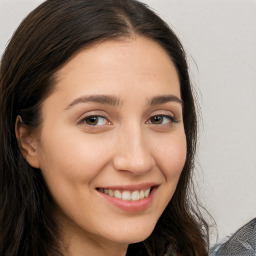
{"x": 89, "y": 247}
{"x": 79, "y": 247}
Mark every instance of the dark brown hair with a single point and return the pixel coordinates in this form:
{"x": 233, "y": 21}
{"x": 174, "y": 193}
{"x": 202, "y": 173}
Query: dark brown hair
{"x": 42, "y": 44}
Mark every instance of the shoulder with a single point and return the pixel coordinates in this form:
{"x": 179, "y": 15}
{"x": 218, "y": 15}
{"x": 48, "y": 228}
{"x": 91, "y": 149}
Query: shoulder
{"x": 242, "y": 242}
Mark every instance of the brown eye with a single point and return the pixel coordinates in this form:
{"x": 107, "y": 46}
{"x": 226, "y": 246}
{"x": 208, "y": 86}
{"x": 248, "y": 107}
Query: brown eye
{"x": 162, "y": 119}
{"x": 95, "y": 120}
{"x": 156, "y": 119}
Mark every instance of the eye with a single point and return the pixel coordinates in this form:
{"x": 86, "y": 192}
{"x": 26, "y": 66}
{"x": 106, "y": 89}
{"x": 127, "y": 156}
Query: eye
{"x": 162, "y": 119}
{"x": 95, "y": 120}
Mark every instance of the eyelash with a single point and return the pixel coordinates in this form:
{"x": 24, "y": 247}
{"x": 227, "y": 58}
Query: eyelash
{"x": 161, "y": 117}
{"x": 97, "y": 117}
{"x": 171, "y": 119}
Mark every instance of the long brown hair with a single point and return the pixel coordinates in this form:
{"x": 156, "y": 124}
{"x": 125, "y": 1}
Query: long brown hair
{"x": 42, "y": 44}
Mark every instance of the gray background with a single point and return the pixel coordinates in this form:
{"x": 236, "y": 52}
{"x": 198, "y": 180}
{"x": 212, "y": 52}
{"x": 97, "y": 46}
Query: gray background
{"x": 220, "y": 38}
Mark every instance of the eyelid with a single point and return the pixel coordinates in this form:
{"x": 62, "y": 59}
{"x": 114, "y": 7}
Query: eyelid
{"x": 98, "y": 120}
{"x": 81, "y": 119}
{"x": 172, "y": 112}
{"x": 170, "y": 117}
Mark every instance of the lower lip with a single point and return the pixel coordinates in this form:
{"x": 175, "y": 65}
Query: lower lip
{"x": 131, "y": 206}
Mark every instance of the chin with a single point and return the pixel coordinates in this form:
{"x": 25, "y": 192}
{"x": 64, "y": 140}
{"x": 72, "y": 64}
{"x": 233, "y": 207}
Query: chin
{"x": 132, "y": 235}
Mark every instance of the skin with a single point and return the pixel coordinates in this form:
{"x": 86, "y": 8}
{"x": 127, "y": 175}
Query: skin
{"x": 125, "y": 146}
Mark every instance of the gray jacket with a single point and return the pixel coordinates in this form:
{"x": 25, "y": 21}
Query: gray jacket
{"x": 241, "y": 243}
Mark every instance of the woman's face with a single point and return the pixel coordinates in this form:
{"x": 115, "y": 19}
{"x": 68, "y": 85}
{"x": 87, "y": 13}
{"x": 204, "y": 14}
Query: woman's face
{"x": 112, "y": 144}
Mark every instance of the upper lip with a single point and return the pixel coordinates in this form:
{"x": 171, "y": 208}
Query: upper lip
{"x": 131, "y": 187}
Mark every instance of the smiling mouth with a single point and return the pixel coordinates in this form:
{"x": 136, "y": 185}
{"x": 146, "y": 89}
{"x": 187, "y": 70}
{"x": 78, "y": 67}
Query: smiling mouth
{"x": 126, "y": 195}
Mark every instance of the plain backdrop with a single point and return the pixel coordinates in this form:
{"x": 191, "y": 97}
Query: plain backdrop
{"x": 220, "y": 39}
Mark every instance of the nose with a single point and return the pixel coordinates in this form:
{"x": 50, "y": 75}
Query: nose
{"x": 133, "y": 152}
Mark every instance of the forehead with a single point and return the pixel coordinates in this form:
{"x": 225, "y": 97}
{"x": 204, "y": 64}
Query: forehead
{"x": 134, "y": 62}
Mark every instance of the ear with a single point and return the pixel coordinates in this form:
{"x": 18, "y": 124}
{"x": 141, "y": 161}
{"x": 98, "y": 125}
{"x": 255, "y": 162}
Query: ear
{"x": 27, "y": 142}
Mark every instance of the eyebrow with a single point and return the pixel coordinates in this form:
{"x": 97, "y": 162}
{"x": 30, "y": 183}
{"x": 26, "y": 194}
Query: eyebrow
{"x": 158, "y": 100}
{"x": 114, "y": 101}
{"x": 103, "y": 99}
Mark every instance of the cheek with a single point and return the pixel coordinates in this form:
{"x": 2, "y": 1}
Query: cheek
{"x": 70, "y": 164}
{"x": 71, "y": 158}
{"x": 171, "y": 156}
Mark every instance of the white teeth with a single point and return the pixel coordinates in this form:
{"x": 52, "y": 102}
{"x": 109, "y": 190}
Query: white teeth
{"x": 135, "y": 196}
{"x": 142, "y": 194}
{"x": 127, "y": 195}
{"x": 110, "y": 193}
{"x": 117, "y": 194}
{"x": 146, "y": 193}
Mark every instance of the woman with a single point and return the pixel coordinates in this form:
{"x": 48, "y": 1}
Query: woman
{"x": 98, "y": 135}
